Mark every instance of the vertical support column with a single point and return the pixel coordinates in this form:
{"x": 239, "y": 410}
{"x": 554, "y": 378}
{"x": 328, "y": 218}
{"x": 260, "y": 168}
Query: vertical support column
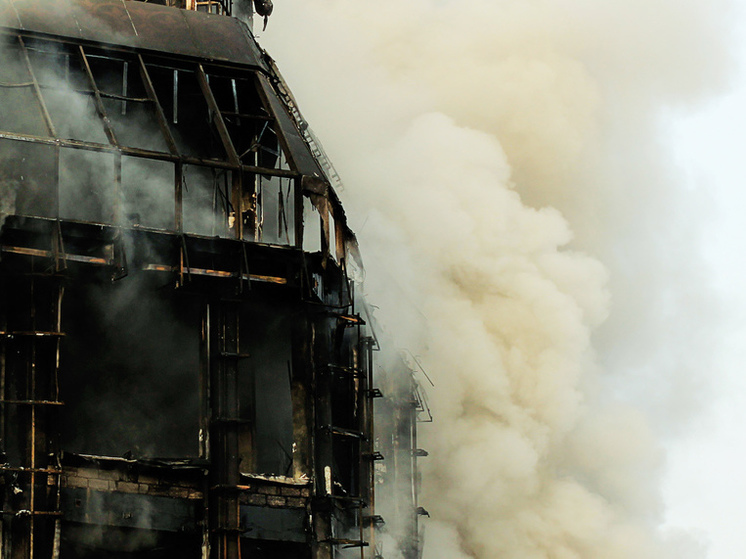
{"x": 322, "y": 547}
{"x": 32, "y": 435}
{"x": 204, "y": 383}
{"x": 298, "y": 201}
{"x": 407, "y": 466}
{"x": 118, "y": 209}
{"x": 415, "y": 475}
{"x": 224, "y": 346}
{"x": 56, "y": 182}
{"x": 364, "y": 363}
{"x": 338, "y": 240}
{"x": 179, "y": 197}
{"x": 237, "y": 202}
{"x": 205, "y": 438}
{"x": 247, "y": 215}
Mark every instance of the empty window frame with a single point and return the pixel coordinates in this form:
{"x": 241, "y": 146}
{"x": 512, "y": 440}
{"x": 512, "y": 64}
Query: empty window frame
{"x": 184, "y": 105}
{"x": 274, "y": 207}
{"x": 88, "y": 185}
{"x": 28, "y": 179}
{"x": 164, "y": 109}
{"x": 207, "y": 207}
{"x": 148, "y": 193}
{"x": 127, "y": 103}
{"x": 20, "y": 108}
{"x": 68, "y": 94}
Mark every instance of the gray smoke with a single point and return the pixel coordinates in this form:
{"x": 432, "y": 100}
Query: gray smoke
{"x": 10, "y": 184}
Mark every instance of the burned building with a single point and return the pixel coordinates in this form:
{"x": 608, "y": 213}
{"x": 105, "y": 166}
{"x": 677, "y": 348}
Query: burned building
{"x": 185, "y": 370}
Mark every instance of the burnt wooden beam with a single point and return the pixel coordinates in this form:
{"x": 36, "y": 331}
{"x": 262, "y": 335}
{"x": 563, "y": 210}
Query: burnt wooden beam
{"x": 143, "y": 153}
{"x": 37, "y": 90}
{"x": 98, "y": 102}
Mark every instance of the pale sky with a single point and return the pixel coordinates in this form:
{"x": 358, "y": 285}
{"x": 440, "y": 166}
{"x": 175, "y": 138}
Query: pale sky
{"x": 705, "y": 489}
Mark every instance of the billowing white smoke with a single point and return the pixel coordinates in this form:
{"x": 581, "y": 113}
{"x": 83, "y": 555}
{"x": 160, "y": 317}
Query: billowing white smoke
{"x": 485, "y": 144}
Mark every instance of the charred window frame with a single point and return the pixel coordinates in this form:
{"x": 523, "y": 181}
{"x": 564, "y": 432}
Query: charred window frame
{"x": 157, "y": 110}
{"x": 184, "y": 136}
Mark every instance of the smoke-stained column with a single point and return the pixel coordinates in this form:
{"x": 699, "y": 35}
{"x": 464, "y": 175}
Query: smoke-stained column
{"x": 224, "y": 343}
{"x": 363, "y": 364}
{"x": 324, "y": 456}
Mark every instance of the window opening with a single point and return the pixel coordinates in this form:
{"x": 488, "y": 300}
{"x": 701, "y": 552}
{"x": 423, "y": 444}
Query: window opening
{"x": 53, "y": 67}
{"x": 249, "y": 125}
{"x": 285, "y": 212}
{"x": 311, "y": 227}
{"x": 215, "y": 117}
{"x": 206, "y": 201}
{"x": 28, "y": 179}
{"x": 126, "y": 101}
{"x": 179, "y": 94}
{"x": 267, "y": 147}
{"x": 212, "y": 6}
{"x": 88, "y": 185}
{"x": 275, "y": 209}
{"x": 159, "y": 112}
{"x": 20, "y": 108}
{"x": 148, "y": 193}
{"x": 98, "y": 102}
{"x": 68, "y": 95}
{"x": 332, "y": 236}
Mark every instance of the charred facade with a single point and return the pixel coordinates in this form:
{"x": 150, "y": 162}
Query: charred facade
{"x": 185, "y": 370}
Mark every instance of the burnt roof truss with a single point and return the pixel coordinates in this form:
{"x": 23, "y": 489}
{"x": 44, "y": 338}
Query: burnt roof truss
{"x": 222, "y": 131}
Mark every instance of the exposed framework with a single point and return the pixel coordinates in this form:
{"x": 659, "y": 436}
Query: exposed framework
{"x": 270, "y": 150}
{"x": 169, "y": 188}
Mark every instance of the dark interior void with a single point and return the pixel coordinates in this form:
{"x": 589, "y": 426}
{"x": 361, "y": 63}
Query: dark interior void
{"x": 85, "y": 541}
{"x": 130, "y": 375}
{"x": 264, "y": 391}
{"x": 130, "y": 370}
{"x": 261, "y": 549}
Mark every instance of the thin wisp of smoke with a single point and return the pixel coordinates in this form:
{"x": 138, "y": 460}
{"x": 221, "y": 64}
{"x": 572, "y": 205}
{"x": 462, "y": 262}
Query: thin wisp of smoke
{"x": 523, "y": 233}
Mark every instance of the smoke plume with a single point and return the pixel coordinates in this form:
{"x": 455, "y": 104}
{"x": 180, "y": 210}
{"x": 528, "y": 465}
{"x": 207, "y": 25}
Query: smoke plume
{"x": 507, "y": 171}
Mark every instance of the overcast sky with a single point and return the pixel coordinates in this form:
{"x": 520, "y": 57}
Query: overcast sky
{"x": 706, "y": 488}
